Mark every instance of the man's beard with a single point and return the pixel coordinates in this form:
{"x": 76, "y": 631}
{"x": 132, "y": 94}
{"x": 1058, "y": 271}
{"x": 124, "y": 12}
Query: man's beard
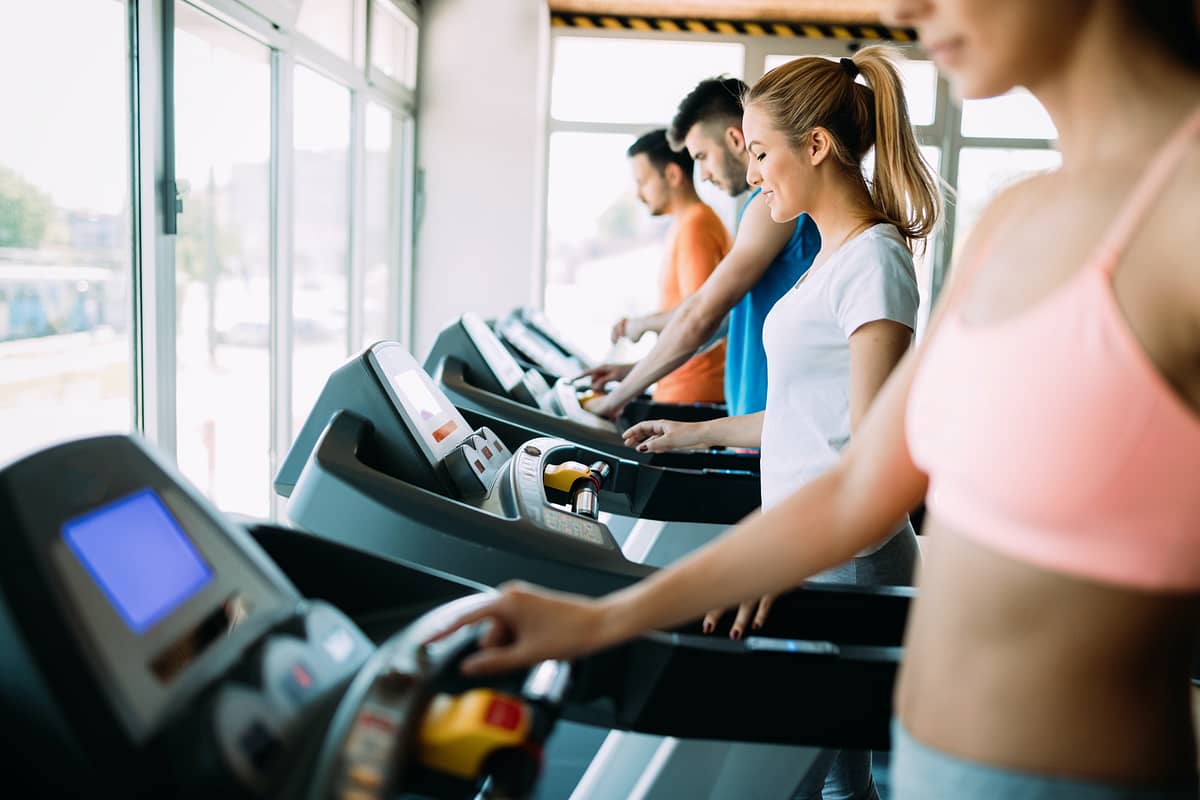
{"x": 733, "y": 174}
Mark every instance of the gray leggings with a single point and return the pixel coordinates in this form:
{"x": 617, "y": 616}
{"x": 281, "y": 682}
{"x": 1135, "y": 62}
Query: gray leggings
{"x": 919, "y": 772}
{"x": 846, "y": 774}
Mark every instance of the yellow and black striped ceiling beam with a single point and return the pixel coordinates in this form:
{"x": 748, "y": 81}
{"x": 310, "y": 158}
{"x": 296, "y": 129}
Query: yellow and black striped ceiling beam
{"x": 813, "y": 30}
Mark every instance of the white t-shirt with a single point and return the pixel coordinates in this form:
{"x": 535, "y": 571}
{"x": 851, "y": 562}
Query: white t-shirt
{"x": 806, "y": 336}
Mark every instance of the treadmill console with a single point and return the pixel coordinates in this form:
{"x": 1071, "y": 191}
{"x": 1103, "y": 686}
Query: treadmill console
{"x": 489, "y": 364}
{"x": 537, "y": 320}
{"x": 419, "y": 436}
{"x": 137, "y": 599}
{"x": 537, "y": 349}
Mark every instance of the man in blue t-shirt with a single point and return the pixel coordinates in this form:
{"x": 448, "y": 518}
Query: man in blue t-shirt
{"x": 766, "y": 260}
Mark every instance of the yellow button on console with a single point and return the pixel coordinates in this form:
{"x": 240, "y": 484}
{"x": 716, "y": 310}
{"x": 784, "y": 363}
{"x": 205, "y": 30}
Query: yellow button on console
{"x": 459, "y": 733}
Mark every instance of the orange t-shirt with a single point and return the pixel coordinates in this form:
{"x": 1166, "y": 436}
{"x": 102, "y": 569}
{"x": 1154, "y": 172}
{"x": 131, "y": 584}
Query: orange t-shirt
{"x": 699, "y": 241}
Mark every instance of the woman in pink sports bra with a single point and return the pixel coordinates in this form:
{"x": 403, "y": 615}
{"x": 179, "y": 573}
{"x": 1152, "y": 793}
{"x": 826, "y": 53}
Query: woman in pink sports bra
{"x": 1050, "y": 417}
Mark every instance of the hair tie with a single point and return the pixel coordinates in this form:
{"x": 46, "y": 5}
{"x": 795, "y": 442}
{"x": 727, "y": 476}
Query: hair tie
{"x": 849, "y": 67}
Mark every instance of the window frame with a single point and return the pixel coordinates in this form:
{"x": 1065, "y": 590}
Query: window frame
{"x": 151, "y": 85}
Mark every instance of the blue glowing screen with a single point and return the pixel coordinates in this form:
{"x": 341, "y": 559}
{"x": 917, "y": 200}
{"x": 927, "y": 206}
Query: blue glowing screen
{"x": 139, "y": 557}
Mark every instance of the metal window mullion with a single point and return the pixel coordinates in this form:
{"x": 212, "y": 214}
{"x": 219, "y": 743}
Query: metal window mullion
{"x": 406, "y": 227}
{"x": 282, "y": 212}
{"x": 627, "y": 128}
{"x": 153, "y": 337}
{"x": 356, "y": 234}
{"x": 755, "y": 65}
{"x": 316, "y": 57}
{"x": 551, "y": 126}
{"x": 1002, "y": 143}
{"x": 951, "y": 121}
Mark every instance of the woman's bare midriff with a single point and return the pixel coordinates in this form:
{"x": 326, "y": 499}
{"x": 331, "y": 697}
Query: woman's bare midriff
{"x": 1013, "y": 666}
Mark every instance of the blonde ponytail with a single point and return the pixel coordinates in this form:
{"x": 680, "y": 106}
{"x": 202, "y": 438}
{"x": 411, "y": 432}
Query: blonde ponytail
{"x": 813, "y": 92}
{"x": 904, "y": 187}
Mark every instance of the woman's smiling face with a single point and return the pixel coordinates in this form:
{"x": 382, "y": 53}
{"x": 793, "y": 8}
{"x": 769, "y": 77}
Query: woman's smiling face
{"x": 775, "y": 166}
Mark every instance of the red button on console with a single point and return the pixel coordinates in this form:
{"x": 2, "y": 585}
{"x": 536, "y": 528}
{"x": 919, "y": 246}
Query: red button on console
{"x": 505, "y": 713}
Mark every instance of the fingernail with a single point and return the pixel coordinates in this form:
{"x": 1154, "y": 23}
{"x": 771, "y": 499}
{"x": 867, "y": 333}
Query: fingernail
{"x": 707, "y": 627}
{"x": 642, "y": 447}
{"x": 735, "y": 634}
{"x": 756, "y": 626}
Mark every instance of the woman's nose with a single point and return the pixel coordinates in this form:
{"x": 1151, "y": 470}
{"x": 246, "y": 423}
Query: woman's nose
{"x": 753, "y": 176}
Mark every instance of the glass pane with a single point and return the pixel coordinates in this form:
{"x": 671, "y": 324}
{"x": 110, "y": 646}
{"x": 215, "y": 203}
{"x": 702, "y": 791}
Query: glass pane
{"x": 320, "y": 242}
{"x": 984, "y": 171}
{"x": 593, "y": 78}
{"x": 920, "y": 85}
{"x": 380, "y": 291}
{"x": 223, "y": 301}
{"x": 604, "y": 249}
{"x": 1016, "y": 115}
{"x": 330, "y": 23}
{"x": 65, "y": 230}
{"x": 394, "y": 44}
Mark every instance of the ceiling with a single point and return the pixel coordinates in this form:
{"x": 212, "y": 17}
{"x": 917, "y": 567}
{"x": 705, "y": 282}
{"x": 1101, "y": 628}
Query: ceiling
{"x": 845, "y": 11}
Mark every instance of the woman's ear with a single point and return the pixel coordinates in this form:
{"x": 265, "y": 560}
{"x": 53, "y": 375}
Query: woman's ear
{"x": 819, "y": 145}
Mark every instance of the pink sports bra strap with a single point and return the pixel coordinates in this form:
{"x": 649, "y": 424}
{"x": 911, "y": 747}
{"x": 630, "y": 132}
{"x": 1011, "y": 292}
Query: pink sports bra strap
{"x": 1147, "y": 190}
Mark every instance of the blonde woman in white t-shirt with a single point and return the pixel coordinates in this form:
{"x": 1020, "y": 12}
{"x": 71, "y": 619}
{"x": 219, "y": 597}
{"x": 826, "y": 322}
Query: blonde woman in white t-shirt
{"x": 831, "y": 341}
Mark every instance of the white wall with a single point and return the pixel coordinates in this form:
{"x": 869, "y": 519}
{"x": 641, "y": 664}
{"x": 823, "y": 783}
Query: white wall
{"x": 481, "y": 145}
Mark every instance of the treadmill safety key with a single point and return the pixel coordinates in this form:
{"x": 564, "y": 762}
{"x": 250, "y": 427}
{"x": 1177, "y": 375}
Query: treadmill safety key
{"x": 459, "y": 733}
{"x": 563, "y": 476}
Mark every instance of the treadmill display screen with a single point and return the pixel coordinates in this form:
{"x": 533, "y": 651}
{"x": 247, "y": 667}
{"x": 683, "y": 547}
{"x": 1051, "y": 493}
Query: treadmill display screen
{"x": 138, "y": 555}
{"x": 409, "y": 384}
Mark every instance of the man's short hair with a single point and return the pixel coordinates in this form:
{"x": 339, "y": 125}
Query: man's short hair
{"x": 713, "y": 100}
{"x": 654, "y": 146}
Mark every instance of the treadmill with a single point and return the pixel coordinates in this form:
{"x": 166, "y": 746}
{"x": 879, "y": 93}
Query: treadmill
{"x": 536, "y": 344}
{"x": 481, "y": 377}
{"x": 150, "y": 647}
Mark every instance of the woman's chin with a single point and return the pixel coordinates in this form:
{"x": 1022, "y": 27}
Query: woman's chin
{"x": 780, "y": 214}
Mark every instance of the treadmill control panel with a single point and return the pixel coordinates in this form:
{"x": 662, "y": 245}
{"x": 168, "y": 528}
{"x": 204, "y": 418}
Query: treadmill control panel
{"x": 541, "y": 324}
{"x": 137, "y": 599}
{"x": 537, "y": 349}
{"x": 475, "y": 464}
{"x": 506, "y": 369}
{"x": 434, "y": 422}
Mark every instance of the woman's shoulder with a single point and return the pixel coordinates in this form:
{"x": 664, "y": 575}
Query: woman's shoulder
{"x": 881, "y": 244}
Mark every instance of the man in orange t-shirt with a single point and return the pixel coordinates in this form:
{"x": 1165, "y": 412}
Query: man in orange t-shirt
{"x": 697, "y": 241}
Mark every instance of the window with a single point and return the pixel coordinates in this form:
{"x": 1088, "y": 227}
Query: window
{"x": 982, "y": 172}
{"x": 222, "y": 259}
{"x": 381, "y": 296}
{"x": 625, "y": 80}
{"x": 603, "y": 249}
{"x": 1016, "y": 115}
{"x": 394, "y": 44}
{"x": 330, "y": 23}
{"x": 321, "y": 237}
{"x": 65, "y": 230}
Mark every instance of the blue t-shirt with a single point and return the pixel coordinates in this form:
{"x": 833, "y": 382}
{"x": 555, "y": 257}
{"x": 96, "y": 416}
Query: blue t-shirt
{"x": 745, "y": 359}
